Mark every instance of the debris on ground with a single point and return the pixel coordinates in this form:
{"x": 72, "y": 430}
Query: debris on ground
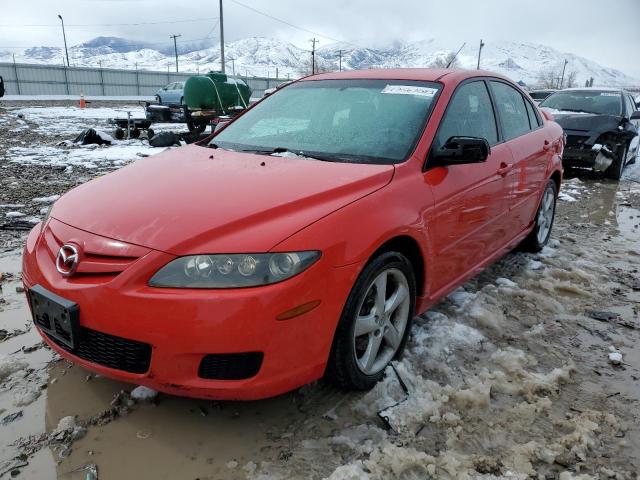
{"x": 164, "y": 139}
{"x": 7, "y": 419}
{"x": 143, "y": 394}
{"x": 603, "y": 316}
{"x": 91, "y": 136}
{"x": 615, "y": 357}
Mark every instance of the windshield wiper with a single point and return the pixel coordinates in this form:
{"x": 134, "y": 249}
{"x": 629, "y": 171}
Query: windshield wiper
{"x": 265, "y": 151}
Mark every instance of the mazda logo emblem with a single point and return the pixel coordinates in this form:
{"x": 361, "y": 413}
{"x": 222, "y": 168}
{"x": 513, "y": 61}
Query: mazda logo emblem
{"x": 67, "y": 260}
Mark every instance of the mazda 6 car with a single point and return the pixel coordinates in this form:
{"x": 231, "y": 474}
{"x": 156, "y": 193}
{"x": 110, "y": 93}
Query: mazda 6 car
{"x": 300, "y": 240}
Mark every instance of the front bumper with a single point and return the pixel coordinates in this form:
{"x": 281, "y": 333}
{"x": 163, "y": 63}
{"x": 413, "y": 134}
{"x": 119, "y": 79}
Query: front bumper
{"x": 578, "y": 150}
{"x": 182, "y": 327}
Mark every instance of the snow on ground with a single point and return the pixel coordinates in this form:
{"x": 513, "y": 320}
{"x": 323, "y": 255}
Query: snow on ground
{"x": 571, "y": 190}
{"x": 66, "y": 120}
{"x": 88, "y": 156}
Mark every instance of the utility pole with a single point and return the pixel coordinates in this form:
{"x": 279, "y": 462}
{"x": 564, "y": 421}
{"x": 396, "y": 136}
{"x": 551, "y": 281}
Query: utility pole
{"x": 233, "y": 65}
{"x": 313, "y": 56}
{"x": 64, "y": 37}
{"x": 340, "y": 61}
{"x": 175, "y": 47}
{"x": 479, "y": 53}
{"x": 222, "y": 69}
{"x": 563, "y": 68}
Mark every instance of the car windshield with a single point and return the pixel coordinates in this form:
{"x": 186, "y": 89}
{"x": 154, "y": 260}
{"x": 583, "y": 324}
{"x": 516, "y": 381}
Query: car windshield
{"x": 358, "y": 121}
{"x": 587, "y": 101}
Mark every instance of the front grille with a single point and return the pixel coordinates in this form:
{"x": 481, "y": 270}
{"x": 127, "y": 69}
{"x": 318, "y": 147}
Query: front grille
{"x": 111, "y": 351}
{"x": 230, "y": 366}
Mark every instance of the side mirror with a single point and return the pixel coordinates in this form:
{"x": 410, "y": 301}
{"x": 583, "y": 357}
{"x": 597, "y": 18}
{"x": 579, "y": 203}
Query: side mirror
{"x": 635, "y": 115}
{"x": 459, "y": 150}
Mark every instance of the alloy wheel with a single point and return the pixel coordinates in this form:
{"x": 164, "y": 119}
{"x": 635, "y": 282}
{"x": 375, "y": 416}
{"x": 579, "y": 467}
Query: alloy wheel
{"x": 545, "y": 214}
{"x": 382, "y": 320}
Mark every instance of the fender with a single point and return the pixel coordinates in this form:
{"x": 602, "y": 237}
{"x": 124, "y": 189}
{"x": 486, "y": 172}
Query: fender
{"x": 380, "y": 216}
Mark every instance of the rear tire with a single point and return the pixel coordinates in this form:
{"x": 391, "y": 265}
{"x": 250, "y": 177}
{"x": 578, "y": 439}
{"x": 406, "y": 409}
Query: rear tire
{"x": 355, "y": 363}
{"x": 616, "y": 168}
{"x": 539, "y": 236}
{"x": 118, "y": 133}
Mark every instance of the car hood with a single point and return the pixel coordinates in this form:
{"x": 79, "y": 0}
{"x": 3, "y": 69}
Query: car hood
{"x": 199, "y": 200}
{"x": 586, "y": 122}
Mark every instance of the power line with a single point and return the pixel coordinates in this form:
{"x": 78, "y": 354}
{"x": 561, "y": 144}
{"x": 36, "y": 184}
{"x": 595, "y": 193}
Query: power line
{"x": 162, "y": 22}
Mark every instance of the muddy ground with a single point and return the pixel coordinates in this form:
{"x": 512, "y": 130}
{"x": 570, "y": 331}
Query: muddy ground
{"x": 511, "y": 376}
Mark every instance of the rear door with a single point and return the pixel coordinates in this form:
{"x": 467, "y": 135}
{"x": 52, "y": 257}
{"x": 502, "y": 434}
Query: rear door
{"x": 531, "y": 148}
{"x": 468, "y": 222}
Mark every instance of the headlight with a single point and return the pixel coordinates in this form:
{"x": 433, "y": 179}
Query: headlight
{"x": 233, "y": 270}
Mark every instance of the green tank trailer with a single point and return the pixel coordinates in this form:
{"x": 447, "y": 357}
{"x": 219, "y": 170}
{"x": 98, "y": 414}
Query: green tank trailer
{"x": 213, "y": 95}
{"x": 206, "y": 98}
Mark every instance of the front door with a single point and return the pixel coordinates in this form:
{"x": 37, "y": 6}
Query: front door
{"x": 468, "y": 222}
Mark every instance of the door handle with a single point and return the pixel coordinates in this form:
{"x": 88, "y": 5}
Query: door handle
{"x": 546, "y": 146}
{"x": 505, "y": 168}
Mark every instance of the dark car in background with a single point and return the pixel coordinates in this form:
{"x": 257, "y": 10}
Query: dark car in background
{"x": 172, "y": 94}
{"x": 601, "y": 125}
{"x": 540, "y": 95}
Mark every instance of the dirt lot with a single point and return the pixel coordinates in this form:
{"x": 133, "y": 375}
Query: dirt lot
{"x": 509, "y": 377}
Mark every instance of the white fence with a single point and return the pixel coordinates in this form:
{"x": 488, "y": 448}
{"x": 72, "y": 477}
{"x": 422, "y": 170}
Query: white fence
{"x": 30, "y": 79}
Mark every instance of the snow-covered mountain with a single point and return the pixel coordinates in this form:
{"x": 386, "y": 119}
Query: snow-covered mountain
{"x": 262, "y": 56}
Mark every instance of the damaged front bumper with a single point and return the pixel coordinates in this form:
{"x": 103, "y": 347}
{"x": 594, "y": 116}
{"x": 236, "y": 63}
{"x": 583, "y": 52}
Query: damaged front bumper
{"x": 584, "y": 151}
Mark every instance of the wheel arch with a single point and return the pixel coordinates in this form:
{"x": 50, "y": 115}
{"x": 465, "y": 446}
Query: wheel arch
{"x": 410, "y": 248}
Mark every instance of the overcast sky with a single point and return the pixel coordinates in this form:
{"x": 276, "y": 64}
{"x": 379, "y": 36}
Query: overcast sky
{"x": 605, "y": 31}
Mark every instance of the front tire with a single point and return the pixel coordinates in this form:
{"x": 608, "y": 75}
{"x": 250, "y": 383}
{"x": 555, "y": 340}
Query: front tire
{"x": 614, "y": 171}
{"x": 375, "y": 323}
{"x": 539, "y": 236}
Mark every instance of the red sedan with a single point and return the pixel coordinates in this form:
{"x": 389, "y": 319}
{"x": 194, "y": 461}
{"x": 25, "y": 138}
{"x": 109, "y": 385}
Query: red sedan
{"x": 300, "y": 240}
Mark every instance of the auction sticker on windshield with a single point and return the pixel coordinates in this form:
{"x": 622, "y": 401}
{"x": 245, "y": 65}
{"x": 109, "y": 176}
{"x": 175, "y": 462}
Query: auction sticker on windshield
{"x": 410, "y": 90}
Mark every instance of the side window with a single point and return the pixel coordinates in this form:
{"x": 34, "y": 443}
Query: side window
{"x": 533, "y": 118}
{"x": 469, "y": 114}
{"x": 511, "y": 108}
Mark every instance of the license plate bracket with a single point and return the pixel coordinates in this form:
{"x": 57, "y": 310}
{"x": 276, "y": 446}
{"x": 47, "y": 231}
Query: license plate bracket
{"x": 56, "y": 316}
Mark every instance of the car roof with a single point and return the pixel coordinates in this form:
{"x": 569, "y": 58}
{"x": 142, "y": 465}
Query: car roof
{"x": 443, "y": 75}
